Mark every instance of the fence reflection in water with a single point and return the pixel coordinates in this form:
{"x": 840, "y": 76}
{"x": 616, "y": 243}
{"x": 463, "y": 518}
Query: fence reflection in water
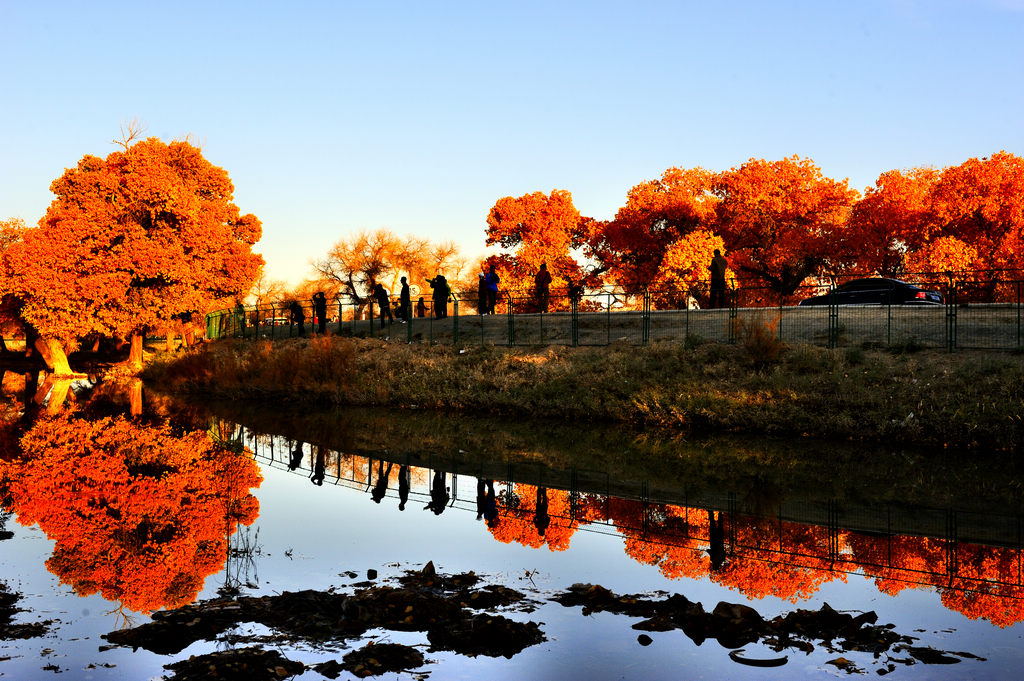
{"x": 787, "y": 550}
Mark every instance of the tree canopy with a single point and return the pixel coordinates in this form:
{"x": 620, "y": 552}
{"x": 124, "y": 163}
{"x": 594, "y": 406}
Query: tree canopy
{"x": 131, "y": 242}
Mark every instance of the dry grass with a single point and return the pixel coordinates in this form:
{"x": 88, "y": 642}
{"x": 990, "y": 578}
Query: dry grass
{"x": 928, "y": 398}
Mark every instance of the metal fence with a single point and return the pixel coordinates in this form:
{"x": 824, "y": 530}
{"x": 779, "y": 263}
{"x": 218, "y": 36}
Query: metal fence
{"x": 975, "y": 313}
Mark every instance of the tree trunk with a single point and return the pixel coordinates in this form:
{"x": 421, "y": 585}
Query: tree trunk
{"x": 53, "y": 354}
{"x": 135, "y": 397}
{"x": 169, "y": 339}
{"x": 58, "y": 395}
{"x": 135, "y": 353}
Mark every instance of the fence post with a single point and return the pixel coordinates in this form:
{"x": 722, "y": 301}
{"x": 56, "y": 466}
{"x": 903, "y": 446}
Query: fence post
{"x": 778, "y": 327}
{"x": 833, "y": 318}
{"x": 888, "y": 320}
{"x": 541, "y": 317}
{"x": 608, "y": 317}
{"x": 455, "y": 321}
{"x": 734, "y": 313}
{"x": 645, "y": 320}
{"x": 511, "y": 322}
{"x": 951, "y": 329}
{"x": 1018, "y": 314}
{"x": 574, "y": 308}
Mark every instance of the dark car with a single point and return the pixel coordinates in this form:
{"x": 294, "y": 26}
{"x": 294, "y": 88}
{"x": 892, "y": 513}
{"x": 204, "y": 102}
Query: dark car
{"x": 877, "y": 291}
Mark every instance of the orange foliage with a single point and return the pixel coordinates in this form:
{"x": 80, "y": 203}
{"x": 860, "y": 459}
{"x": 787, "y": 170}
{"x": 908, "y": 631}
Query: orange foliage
{"x": 781, "y": 220}
{"x": 139, "y": 514}
{"x": 893, "y": 217}
{"x": 945, "y": 254}
{"x": 983, "y": 584}
{"x": 519, "y": 523}
{"x": 981, "y": 203}
{"x": 650, "y": 238}
{"x": 542, "y": 229}
{"x": 131, "y": 242}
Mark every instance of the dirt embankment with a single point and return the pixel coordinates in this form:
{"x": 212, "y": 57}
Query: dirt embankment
{"x": 931, "y": 398}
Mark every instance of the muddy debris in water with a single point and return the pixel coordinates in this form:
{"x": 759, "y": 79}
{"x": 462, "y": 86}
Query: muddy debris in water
{"x": 735, "y": 625}
{"x": 10, "y": 631}
{"x": 381, "y": 658}
{"x": 241, "y": 664}
{"x": 445, "y": 607}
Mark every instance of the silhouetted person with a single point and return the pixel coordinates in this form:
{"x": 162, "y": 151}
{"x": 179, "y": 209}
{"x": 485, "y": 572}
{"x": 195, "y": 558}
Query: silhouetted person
{"x": 298, "y": 316}
{"x": 440, "y": 295}
{"x": 492, "y": 289}
{"x": 481, "y": 293}
{"x": 421, "y": 308}
{"x": 717, "y": 268}
{"x": 541, "y": 285}
{"x": 319, "y": 467}
{"x": 404, "y": 482}
{"x": 438, "y": 494}
{"x": 381, "y": 487}
{"x": 380, "y": 294}
{"x": 295, "y": 461}
{"x": 320, "y": 311}
{"x": 716, "y": 533}
{"x": 405, "y": 301}
{"x": 541, "y": 519}
{"x": 486, "y": 500}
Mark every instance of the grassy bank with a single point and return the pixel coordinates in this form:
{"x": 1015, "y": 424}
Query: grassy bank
{"x": 757, "y": 386}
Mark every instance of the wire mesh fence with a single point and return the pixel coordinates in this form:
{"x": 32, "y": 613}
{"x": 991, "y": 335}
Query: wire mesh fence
{"x": 925, "y": 311}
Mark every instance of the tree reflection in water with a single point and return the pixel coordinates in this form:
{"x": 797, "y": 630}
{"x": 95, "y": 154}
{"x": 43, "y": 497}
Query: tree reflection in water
{"x": 139, "y": 512}
{"x": 754, "y": 551}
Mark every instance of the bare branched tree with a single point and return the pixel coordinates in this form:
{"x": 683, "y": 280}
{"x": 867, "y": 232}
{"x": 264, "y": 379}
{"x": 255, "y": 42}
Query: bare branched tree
{"x": 131, "y": 131}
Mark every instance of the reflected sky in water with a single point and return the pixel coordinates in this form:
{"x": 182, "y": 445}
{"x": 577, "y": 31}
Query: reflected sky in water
{"x": 307, "y": 536}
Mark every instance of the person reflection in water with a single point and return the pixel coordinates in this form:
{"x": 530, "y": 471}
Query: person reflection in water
{"x": 716, "y": 533}
{"x": 404, "y": 480}
{"x": 541, "y": 519}
{"x": 438, "y": 494}
{"x": 296, "y": 457}
{"x": 380, "y": 489}
{"x": 486, "y": 500}
{"x": 319, "y": 467}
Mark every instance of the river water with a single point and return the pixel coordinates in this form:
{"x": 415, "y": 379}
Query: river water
{"x": 929, "y": 541}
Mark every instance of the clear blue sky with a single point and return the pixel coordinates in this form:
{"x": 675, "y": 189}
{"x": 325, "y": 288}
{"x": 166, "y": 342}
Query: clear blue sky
{"x": 418, "y": 116}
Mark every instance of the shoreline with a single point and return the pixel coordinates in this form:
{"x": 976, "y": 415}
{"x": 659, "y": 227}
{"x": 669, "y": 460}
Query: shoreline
{"x": 925, "y": 398}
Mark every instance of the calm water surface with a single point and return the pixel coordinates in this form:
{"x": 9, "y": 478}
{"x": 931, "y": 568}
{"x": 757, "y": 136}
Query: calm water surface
{"x": 931, "y": 545}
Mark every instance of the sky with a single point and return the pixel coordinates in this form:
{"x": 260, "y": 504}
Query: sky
{"x": 331, "y": 117}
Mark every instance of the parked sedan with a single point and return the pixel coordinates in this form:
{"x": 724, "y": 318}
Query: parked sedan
{"x": 877, "y": 291}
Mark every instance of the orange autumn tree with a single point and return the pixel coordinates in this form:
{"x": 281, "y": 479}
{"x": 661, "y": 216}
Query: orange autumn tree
{"x": 139, "y": 514}
{"x": 893, "y": 218}
{"x": 541, "y": 228}
{"x": 981, "y": 203}
{"x": 131, "y": 242}
{"x": 662, "y": 235}
{"x": 783, "y": 221}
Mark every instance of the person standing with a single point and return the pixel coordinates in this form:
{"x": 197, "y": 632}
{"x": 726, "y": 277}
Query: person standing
{"x": 718, "y": 267}
{"x": 383, "y": 303}
{"x": 440, "y": 296}
{"x": 405, "y": 302}
{"x": 492, "y": 289}
{"x": 541, "y": 284}
{"x": 481, "y": 293}
{"x": 298, "y": 317}
{"x": 421, "y": 308}
{"x": 320, "y": 311}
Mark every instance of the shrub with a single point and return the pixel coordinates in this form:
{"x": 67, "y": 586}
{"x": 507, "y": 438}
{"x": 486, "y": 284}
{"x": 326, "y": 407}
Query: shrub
{"x": 760, "y": 340}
